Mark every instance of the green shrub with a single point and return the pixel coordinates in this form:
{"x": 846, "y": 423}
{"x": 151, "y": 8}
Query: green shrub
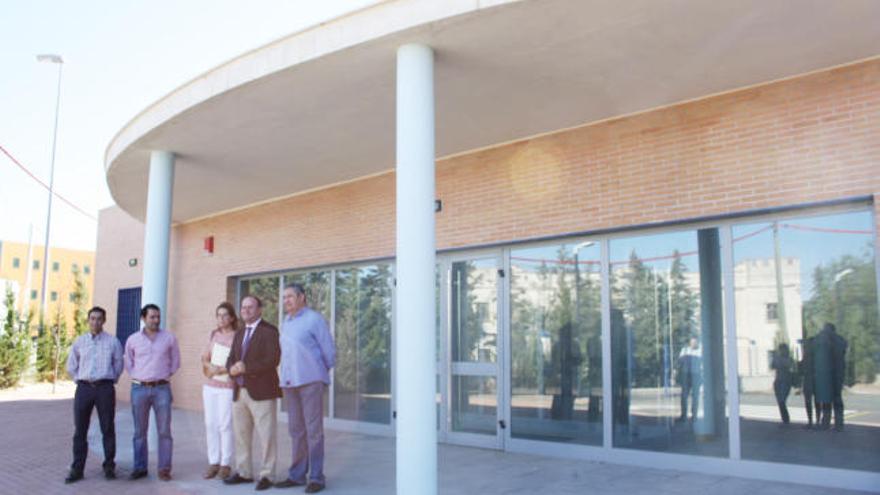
{"x": 15, "y": 344}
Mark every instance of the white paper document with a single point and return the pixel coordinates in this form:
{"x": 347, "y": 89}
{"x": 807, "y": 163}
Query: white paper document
{"x": 219, "y": 355}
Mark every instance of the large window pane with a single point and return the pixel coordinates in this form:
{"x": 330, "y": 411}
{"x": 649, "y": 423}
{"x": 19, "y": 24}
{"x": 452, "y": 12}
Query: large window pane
{"x": 667, "y": 340}
{"x": 473, "y": 311}
{"x": 362, "y": 384}
{"x": 808, "y": 341}
{"x": 474, "y": 404}
{"x": 266, "y": 289}
{"x": 556, "y": 346}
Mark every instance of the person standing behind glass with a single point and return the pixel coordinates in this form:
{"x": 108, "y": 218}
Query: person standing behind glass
{"x": 806, "y": 370}
{"x": 307, "y": 354}
{"x": 838, "y": 374}
{"x": 823, "y": 374}
{"x": 95, "y": 362}
{"x": 689, "y": 368}
{"x": 781, "y": 362}
{"x": 217, "y": 394}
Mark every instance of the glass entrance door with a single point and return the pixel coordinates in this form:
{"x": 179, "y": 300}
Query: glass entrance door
{"x": 474, "y": 388}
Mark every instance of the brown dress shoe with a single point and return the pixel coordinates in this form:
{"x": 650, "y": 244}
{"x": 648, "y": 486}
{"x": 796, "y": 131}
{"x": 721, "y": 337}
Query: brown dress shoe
{"x": 212, "y": 471}
{"x": 224, "y": 472}
{"x": 314, "y": 487}
{"x": 165, "y": 475}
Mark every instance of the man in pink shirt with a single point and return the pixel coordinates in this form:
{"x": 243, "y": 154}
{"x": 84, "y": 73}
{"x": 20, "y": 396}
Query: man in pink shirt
{"x": 151, "y": 357}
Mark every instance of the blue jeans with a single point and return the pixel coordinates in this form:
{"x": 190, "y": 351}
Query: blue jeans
{"x": 142, "y": 399}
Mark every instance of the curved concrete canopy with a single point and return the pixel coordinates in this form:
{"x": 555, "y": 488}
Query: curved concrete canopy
{"x": 317, "y": 108}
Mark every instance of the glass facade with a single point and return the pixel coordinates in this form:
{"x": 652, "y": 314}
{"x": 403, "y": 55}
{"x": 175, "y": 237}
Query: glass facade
{"x": 775, "y": 315}
{"x": 473, "y": 329}
{"x": 808, "y": 370}
{"x": 362, "y": 322}
{"x": 667, "y": 341}
{"x": 556, "y": 343}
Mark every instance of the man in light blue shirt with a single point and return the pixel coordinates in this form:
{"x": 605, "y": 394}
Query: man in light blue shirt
{"x": 307, "y": 354}
{"x": 95, "y": 362}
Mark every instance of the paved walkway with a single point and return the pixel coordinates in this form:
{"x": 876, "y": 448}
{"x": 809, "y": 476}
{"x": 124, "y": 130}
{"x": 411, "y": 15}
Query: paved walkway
{"x": 36, "y": 430}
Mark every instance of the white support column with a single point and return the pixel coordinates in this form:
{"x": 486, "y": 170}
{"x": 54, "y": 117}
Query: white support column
{"x": 157, "y": 236}
{"x": 416, "y": 410}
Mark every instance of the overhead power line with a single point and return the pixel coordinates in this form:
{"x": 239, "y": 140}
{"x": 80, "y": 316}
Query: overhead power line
{"x": 46, "y": 186}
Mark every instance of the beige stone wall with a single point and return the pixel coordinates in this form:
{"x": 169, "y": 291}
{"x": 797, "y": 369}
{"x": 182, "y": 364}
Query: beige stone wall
{"x": 809, "y": 139}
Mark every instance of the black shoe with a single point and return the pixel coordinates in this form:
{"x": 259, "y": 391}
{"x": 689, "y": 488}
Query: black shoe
{"x": 264, "y": 484}
{"x": 110, "y": 473}
{"x": 138, "y": 474}
{"x": 288, "y": 483}
{"x": 237, "y": 479}
{"x": 73, "y": 477}
{"x": 314, "y": 487}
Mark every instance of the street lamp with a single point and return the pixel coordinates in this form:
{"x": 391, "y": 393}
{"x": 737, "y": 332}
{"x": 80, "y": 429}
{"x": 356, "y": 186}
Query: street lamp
{"x": 52, "y": 59}
{"x": 838, "y": 306}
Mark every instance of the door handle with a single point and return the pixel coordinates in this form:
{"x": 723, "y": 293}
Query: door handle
{"x": 502, "y": 424}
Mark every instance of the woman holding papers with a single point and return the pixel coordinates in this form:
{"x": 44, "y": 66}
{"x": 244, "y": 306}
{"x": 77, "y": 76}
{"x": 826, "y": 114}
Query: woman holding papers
{"x": 217, "y": 393}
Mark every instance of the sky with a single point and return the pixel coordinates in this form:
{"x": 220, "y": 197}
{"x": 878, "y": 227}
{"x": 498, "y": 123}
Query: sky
{"x": 120, "y": 56}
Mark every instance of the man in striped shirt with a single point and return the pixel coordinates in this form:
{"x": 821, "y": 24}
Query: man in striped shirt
{"x": 95, "y": 362}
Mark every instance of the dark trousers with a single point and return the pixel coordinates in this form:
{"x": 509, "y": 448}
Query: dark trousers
{"x": 808, "y": 405}
{"x": 837, "y": 404}
{"x": 823, "y": 414}
{"x": 781, "y": 391}
{"x": 690, "y": 387}
{"x": 102, "y": 396}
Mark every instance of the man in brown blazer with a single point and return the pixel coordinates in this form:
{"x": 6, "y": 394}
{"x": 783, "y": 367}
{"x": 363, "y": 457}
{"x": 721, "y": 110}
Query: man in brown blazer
{"x": 252, "y": 365}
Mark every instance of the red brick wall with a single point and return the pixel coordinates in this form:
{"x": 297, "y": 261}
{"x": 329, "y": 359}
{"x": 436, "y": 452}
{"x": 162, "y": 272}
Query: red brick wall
{"x": 808, "y": 139}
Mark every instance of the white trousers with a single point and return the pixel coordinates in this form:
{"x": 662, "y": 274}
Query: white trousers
{"x": 218, "y": 425}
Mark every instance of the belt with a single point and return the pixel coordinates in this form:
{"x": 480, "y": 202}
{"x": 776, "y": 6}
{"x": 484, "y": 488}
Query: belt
{"x": 150, "y": 384}
{"x": 95, "y": 383}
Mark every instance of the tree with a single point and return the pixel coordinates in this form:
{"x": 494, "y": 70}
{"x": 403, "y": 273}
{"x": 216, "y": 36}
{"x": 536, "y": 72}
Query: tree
{"x": 14, "y": 344}
{"x": 850, "y": 302}
{"x": 53, "y": 348}
{"x": 363, "y": 338}
{"x": 653, "y": 305}
{"x": 641, "y": 313}
{"x": 79, "y": 297}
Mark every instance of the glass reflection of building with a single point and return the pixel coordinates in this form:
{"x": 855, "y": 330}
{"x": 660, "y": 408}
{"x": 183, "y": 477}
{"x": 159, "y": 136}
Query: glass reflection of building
{"x": 687, "y": 324}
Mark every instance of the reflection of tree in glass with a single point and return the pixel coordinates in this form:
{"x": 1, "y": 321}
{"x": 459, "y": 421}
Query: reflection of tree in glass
{"x": 645, "y": 300}
{"x": 363, "y": 336}
{"x": 266, "y": 289}
{"x": 850, "y": 303}
{"x": 567, "y": 314}
{"x": 683, "y": 307}
{"x": 317, "y": 286}
{"x": 375, "y": 328}
{"x": 469, "y": 338}
{"x": 345, "y": 379}
{"x": 525, "y": 323}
